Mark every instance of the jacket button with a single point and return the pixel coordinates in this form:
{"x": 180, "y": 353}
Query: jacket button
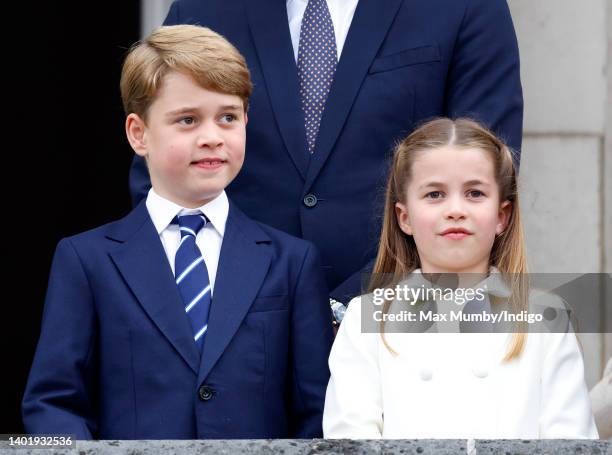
{"x": 310, "y": 200}
{"x": 206, "y": 393}
{"x": 480, "y": 371}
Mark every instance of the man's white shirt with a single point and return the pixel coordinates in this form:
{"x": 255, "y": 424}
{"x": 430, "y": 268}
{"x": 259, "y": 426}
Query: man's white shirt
{"x": 341, "y": 12}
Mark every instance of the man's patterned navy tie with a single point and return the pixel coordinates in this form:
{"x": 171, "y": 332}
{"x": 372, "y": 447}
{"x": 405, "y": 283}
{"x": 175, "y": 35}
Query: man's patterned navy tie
{"x": 316, "y": 65}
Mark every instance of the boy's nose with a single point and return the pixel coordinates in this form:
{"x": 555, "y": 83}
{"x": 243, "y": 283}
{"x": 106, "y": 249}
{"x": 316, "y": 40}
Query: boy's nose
{"x": 209, "y": 137}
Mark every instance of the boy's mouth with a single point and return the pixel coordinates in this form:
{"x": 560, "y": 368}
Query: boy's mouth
{"x": 209, "y": 163}
{"x": 455, "y": 233}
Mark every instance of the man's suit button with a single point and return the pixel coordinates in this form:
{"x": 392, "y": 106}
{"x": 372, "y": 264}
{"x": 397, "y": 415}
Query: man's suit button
{"x": 206, "y": 393}
{"x": 310, "y": 200}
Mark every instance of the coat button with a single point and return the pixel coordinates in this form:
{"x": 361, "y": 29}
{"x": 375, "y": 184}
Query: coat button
{"x": 310, "y": 200}
{"x": 206, "y": 393}
{"x": 426, "y": 374}
{"x": 480, "y": 371}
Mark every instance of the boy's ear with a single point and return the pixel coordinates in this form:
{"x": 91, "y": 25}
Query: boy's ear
{"x": 246, "y": 119}
{"x": 503, "y": 217}
{"x": 401, "y": 213}
{"x": 136, "y": 134}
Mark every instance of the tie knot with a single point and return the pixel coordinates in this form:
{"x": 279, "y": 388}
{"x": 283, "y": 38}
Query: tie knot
{"x": 191, "y": 224}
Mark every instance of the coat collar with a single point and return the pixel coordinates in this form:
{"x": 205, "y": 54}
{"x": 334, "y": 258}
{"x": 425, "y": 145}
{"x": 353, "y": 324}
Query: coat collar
{"x": 243, "y": 265}
{"x": 143, "y": 263}
{"x": 270, "y": 30}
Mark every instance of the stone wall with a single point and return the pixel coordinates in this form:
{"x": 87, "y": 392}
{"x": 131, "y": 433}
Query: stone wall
{"x": 564, "y": 172}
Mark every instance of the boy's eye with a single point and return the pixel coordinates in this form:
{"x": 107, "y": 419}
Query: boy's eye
{"x": 228, "y": 118}
{"x": 187, "y": 120}
{"x": 434, "y": 195}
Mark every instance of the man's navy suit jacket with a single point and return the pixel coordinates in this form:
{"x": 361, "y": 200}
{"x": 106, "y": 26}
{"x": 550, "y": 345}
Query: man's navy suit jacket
{"x": 116, "y": 357}
{"x": 403, "y": 62}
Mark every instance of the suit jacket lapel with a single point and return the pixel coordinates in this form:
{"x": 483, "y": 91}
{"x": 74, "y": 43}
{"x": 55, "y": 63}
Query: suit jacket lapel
{"x": 270, "y": 30}
{"x": 243, "y": 265}
{"x": 142, "y": 262}
{"x": 368, "y": 29}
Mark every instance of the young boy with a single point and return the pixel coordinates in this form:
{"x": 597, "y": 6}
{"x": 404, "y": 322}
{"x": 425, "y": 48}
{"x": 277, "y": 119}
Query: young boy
{"x": 185, "y": 319}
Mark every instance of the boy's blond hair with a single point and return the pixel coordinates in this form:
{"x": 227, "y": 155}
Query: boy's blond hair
{"x": 195, "y": 51}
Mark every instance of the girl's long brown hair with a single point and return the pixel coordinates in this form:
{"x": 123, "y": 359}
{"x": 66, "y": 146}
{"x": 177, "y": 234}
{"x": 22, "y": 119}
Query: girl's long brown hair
{"x": 397, "y": 252}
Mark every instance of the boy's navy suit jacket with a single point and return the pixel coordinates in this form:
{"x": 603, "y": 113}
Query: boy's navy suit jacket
{"x": 403, "y": 62}
{"x": 116, "y": 357}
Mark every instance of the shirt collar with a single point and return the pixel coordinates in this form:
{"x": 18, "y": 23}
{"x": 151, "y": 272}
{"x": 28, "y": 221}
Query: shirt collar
{"x": 163, "y": 211}
{"x": 496, "y": 283}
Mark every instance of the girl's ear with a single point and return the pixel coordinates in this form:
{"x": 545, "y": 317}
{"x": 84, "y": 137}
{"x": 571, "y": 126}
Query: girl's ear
{"x": 503, "y": 217}
{"x": 401, "y": 213}
{"x": 136, "y": 134}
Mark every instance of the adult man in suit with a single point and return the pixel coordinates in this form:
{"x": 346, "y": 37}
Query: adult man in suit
{"x": 400, "y": 62}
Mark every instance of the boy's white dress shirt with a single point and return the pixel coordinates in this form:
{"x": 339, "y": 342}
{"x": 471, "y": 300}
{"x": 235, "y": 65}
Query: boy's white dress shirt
{"x": 208, "y": 240}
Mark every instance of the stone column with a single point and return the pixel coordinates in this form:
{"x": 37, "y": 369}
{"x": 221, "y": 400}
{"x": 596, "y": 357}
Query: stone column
{"x": 152, "y": 13}
{"x": 607, "y": 187}
{"x": 563, "y": 58}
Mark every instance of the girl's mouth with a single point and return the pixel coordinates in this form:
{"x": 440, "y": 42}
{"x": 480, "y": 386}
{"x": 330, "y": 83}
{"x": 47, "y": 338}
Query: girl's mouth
{"x": 455, "y": 233}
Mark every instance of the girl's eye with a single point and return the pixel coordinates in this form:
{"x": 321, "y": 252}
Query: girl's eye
{"x": 475, "y": 193}
{"x": 228, "y": 118}
{"x": 434, "y": 195}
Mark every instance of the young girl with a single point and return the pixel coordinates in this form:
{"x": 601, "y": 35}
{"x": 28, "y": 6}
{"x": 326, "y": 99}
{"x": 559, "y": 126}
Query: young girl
{"x": 452, "y": 207}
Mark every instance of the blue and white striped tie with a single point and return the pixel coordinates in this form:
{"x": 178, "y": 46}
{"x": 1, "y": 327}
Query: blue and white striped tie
{"x": 192, "y": 276}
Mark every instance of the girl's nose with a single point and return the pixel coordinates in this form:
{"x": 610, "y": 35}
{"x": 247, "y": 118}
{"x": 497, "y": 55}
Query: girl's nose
{"x": 455, "y": 208}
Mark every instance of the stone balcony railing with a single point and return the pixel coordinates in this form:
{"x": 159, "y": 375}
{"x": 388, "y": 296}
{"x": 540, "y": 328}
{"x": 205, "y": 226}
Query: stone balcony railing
{"x": 326, "y": 446}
